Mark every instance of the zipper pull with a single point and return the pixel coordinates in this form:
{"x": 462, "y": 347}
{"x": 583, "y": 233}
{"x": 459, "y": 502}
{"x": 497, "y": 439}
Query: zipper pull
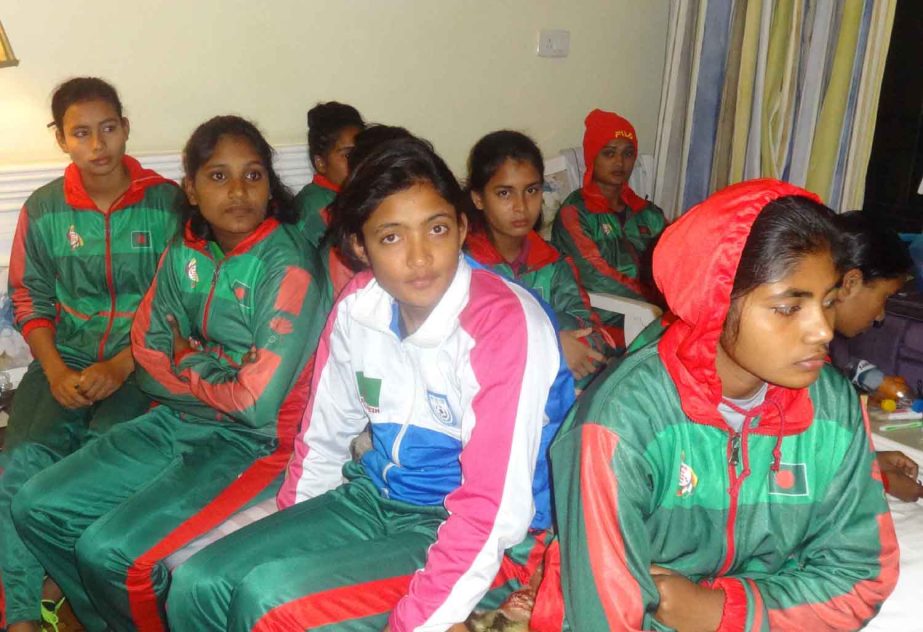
{"x": 735, "y": 449}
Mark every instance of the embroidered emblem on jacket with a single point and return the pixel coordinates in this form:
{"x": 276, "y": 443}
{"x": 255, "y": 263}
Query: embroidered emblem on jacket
{"x": 687, "y": 477}
{"x": 192, "y": 271}
{"x": 439, "y": 404}
{"x": 140, "y": 239}
{"x": 606, "y": 229}
{"x": 73, "y": 238}
{"x": 790, "y": 480}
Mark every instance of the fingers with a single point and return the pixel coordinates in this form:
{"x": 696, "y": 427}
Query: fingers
{"x": 582, "y": 333}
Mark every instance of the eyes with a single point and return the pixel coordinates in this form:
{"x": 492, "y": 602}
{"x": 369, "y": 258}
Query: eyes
{"x": 84, "y": 132}
{"x": 251, "y": 175}
{"x": 507, "y": 193}
{"x": 788, "y": 311}
{"x": 436, "y": 230}
{"x": 611, "y": 152}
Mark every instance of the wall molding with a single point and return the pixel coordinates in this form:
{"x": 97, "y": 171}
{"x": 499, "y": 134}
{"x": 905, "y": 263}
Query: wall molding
{"x": 17, "y": 182}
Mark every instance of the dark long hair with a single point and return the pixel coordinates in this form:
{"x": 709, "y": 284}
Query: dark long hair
{"x": 878, "y": 252}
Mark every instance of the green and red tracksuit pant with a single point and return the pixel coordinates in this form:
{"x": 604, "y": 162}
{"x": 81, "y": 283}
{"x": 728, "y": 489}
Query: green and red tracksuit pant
{"x": 41, "y": 432}
{"x": 340, "y": 561}
{"x": 103, "y": 520}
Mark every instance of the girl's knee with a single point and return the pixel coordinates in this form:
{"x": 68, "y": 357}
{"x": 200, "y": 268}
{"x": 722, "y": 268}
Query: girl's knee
{"x": 191, "y": 584}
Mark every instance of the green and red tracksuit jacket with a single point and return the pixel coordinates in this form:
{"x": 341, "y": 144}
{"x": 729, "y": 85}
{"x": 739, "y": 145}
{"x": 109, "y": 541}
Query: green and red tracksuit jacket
{"x": 312, "y": 202}
{"x": 609, "y": 248}
{"x": 552, "y": 276}
{"x": 787, "y": 517}
{"x": 82, "y": 271}
{"x": 260, "y": 295}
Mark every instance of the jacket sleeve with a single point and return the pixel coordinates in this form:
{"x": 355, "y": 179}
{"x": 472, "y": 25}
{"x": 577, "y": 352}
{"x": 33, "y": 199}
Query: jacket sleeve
{"x": 288, "y": 316}
{"x": 334, "y": 415}
{"x": 602, "y": 494}
{"x": 572, "y": 238}
{"x": 505, "y": 386}
{"x": 571, "y": 304}
{"x": 32, "y": 277}
{"x": 848, "y": 566}
{"x": 152, "y": 342}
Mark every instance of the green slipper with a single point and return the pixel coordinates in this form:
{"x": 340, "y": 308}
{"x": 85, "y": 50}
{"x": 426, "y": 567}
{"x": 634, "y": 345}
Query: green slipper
{"x": 50, "y": 614}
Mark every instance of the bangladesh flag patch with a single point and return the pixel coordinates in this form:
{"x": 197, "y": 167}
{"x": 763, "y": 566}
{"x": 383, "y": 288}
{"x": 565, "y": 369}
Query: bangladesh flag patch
{"x": 790, "y": 480}
{"x": 140, "y": 239}
{"x": 369, "y": 392}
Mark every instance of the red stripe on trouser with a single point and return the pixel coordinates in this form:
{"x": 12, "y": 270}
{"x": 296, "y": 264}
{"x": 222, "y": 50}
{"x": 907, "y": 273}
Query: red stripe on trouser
{"x": 374, "y": 597}
{"x": 510, "y": 569}
{"x": 2, "y": 608}
{"x": 336, "y": 605}
{"x": 139, "y": 582}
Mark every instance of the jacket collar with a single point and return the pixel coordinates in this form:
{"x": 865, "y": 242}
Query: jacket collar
{"x": 75, "y": 194}
{"x": 376, "y": 309}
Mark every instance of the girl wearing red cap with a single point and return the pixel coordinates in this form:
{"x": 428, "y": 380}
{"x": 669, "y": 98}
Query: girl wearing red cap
{"x": 605, "y": 226}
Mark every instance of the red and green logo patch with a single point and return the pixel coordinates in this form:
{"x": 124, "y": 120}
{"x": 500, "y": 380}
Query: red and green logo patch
{"x": 790, "y": 480}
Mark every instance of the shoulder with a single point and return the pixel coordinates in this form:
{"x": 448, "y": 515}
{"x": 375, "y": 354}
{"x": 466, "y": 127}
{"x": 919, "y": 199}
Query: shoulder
{"x": 636, "y": 387}
{"x": 496, "y": 304}
{"x": 835, "y": 399}
{"x": 46, "y": 198}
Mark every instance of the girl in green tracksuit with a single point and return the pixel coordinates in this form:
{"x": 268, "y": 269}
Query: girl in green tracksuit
{"x": 723, "y": 478}
{"x": 332, "y": 129}
{"x": 86, "y": 248}
{"x": 505, "y": 178}
{"x": 223, "y": 340}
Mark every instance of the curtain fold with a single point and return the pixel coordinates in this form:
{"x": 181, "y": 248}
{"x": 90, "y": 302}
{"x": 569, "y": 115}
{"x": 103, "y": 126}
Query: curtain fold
{"x": 770, "y": 88}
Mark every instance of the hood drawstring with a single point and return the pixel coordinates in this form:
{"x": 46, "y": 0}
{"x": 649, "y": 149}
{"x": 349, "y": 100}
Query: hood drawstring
{"x": 777, "y": 449}
{"x": 750, "y": 414}
{"x": 745, "y": 431}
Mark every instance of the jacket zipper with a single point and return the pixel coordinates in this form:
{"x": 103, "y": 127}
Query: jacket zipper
{"x": 733, "y": 461}
{"x": 208, "y": 301}
{"x": 396, "y": 446}
{"x": 110, "y": 283}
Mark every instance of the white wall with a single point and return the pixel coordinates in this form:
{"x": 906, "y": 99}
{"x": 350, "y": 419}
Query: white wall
{"x": 450, "y": 70}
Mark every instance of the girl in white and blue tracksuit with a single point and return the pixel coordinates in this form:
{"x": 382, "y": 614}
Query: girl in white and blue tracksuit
{"x": 449, "y": 509}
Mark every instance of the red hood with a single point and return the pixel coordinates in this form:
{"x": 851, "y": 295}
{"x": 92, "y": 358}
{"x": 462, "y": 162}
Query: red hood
{"x": 141, "y": 179}
{"x": 539, "y": 254}
{"x": 601, "y": 128}
{"x": 713, "y": 235}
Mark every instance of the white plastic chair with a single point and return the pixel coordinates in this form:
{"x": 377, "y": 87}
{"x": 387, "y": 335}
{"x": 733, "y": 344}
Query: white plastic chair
{"x": 638, "y": 314}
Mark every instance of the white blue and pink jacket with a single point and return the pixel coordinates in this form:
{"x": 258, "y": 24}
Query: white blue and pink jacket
{"x": 462, "y": 412}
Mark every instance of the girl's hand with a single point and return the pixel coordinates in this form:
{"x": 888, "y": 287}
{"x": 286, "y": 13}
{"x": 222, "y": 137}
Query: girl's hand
{"x": 181, "y": 344}
{"x": 684, "y": 605}
{"x": 99, "y": 381}
{"x": 896, "y": 461}
{"x": 250, "y": 357}
{"x": 581, "y": 359}
{"x": 65, "y": 387}
{"x": 904, "y": 487}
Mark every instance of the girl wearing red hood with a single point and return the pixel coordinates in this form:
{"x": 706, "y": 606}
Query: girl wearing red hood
{"x": 723, "y": 478}
{"x": 604, "y": 226}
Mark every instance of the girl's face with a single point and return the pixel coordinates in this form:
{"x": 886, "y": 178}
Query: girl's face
{"x": 862, "y": 304}
{"x": 411, "y": 242}
{"x": 333, "y": 165}
{"x": 94, "y": 136}
{"x": 511, "y": 200}
{"x": 784, "y": 329}
{"x": 231, "y": 190}
{"x": 614, "y": 163}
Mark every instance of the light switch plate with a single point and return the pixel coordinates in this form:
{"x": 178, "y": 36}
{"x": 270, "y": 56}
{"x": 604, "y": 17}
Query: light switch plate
{"x": 553, "y": 43}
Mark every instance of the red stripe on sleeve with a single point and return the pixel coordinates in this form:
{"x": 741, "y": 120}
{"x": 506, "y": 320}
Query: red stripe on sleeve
{"x": 618, "y": 590}
{"x": 292, "y": 290}
{"x": 571, "y": 222}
